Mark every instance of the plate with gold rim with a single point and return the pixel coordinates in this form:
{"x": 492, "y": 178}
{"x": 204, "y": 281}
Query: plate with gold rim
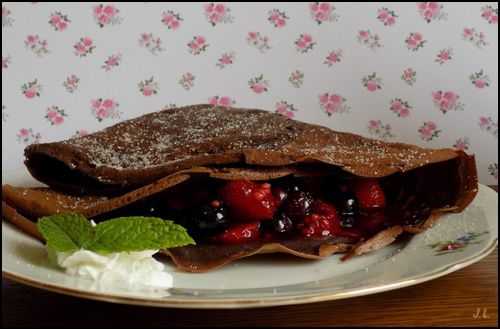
{"x": 454, "y": 242}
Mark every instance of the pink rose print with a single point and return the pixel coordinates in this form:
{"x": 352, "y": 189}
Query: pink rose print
{"x": 371, "y": 40}
{"x": 187, "y": 81}
{"x": 148, "y": 87}
{"x": 197, "y": 45}
{"x": 493, "y": 170}
{"x": 490, "y": 14}
{"x": 474, "y": 37}
{"x": 447, "y": 101}
{"x": 371, "y": 82}
{"x": 111, "y": 62}
{"x": 431, "y": 11}
{"x": 415, "y": 41}
{"x": 59, "y": 21}
{"x": 71, "y": 83}
{"x": 304, "y": 43}
{"x": 286, "y": 109}
{"x": 5, "y": 62}
{"x": 444, "y": 56}
{"x": 223, "y": 101}
{"x": 218, "y": 13}
{"x": 322, "y": 12}
{"x": 487, "y": 124}
{"x": 104, "y": 109}
{"x": 333, "y": 103}
{"x": 258, "y": 41}
{"x": 379, "y": 129}
{"x": 462, "y": 144}
{"x": 400, "y": 107}
{"x": 333, "y": 57}
{"x": 259, "y": 84}
{"x": 480, "y": 79}
{"x": 106, "y": 15}
{"x": 80, "y": 133}
{"x": 277, "y": 18}
{"x": 7, "y": 20}
{"x": 428, "y": 131}
{"x": 225, "y": 60}
{"x": 148, "y": 41}
{"x": 84, "y": 47}
{"x": 409, "y": 76}
{"x": 171, "y": 19}
{"x": 27, "y": 136}
{"x": 386, "y": 16}
{"x": 31, "y": 89}
{"x": 296, "y": 78}
{"x": 36, "y": 45}
{"x": 55, "y": 115}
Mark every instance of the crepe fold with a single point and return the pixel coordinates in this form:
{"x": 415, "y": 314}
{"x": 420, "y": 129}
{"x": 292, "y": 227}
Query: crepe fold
{"x": 133, "y": 160}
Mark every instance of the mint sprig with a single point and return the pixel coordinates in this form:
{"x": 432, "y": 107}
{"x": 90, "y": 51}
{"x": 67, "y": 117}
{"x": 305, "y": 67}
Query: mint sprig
{"x": 70, "y": 232}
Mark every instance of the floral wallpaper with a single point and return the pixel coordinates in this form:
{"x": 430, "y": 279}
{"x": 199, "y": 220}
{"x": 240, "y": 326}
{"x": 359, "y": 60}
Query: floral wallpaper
{"x": 424, "y": 73}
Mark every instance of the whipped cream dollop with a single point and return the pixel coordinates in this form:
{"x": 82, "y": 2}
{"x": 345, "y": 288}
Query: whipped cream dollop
{"x": 129, "y": 268}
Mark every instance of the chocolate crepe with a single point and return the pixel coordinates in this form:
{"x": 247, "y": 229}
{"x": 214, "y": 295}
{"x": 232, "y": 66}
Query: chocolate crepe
{"x": 138, "y": 158}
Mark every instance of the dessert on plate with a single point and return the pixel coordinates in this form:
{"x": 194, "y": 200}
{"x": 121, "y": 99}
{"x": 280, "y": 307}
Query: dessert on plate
{"x": 243, "y": 182}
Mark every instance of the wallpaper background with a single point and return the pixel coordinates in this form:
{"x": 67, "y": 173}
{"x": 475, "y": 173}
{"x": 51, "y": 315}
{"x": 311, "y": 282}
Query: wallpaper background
{"x": 424, "y": 73}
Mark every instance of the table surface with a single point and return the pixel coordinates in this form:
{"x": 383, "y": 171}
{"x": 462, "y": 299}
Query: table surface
{"x": 466, "y": 297}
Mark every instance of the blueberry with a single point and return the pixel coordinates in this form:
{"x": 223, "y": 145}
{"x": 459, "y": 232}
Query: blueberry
{"x": 347, "y": 221}
{"x": 280, "y": 194}
{"x": 415, "y": 215}
{"x": 282, "y": 223}
{"x": 298, "y": 204}
{"x": 350, "y": 207}
{"x": 349, "y": 210}
{"x": 206, "y": 220}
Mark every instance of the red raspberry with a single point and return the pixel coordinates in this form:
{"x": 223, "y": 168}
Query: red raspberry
{"x": 324, "y": 221}
{"x": 369, "y": 193}
{"x": 249, "y": 201}
{"x": 239, "y": 233}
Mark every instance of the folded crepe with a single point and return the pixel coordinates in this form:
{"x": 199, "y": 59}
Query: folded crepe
{"x": 126, "y": 168}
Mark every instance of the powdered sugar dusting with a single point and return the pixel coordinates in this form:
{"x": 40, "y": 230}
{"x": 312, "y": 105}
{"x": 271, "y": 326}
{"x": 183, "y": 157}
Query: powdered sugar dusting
{"x": 177, "y": 137}
{"x": 176, "y": 134}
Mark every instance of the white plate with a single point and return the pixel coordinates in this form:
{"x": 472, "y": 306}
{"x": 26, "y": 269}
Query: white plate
{"x": 269, "y": 280}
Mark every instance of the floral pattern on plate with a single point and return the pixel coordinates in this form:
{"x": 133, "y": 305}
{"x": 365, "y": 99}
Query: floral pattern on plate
{"x": 458, "y": 244}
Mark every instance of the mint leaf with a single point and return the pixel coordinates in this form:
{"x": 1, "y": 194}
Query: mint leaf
{"x": 138, "y": 233}
{"x": 70, "y": 232}
{"x": 66, "y": 232}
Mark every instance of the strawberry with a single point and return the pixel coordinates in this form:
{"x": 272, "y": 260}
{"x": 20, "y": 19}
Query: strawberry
{"x": 323, "y": 220}
{"x": 249, "y": 201}
{"x": 240, "y": 233}
{"x": 369, "y": 193}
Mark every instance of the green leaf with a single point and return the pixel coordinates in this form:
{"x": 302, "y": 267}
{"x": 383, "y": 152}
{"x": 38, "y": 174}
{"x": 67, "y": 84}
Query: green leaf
{"x": 138, "y": 233}
{"x": 52, "y": 253}
{"x": 66, "y": 232}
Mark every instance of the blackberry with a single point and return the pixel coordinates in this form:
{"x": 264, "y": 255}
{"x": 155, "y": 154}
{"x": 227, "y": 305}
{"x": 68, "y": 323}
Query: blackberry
{"x": 298, "y": 204}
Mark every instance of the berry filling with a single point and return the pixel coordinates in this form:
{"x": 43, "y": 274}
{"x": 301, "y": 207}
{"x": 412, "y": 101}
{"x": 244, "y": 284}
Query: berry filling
{"x": 218, "y": 211}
